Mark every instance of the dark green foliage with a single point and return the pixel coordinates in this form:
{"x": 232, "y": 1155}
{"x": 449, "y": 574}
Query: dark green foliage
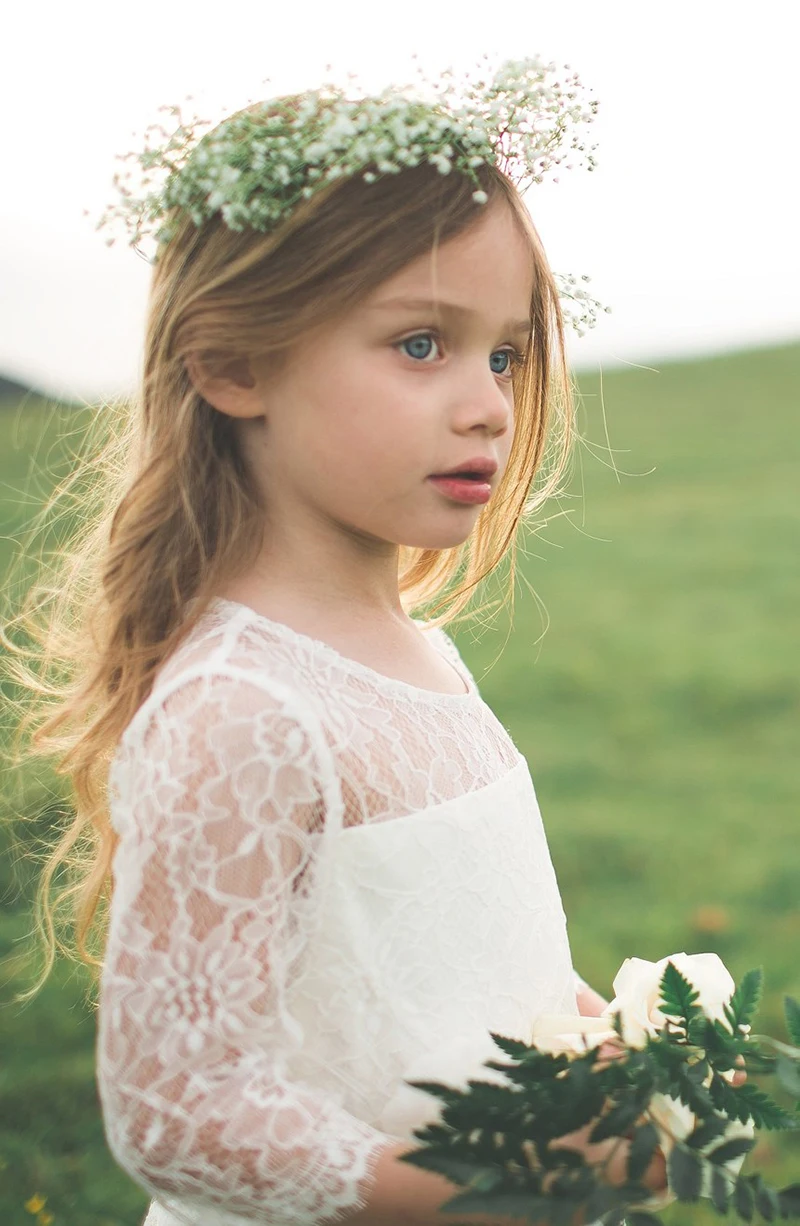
{"x": 763, "y": 1110}
{"x": 766, "y": 1199}
{"x": 746, "y": 999}
{"x": 720, "y": 1191}
{"x": 788, "y": 1075}
{"x": 792, "y": 1018}
{"x": 706, "y": 1132}
{"x": 730, "y": 1149}
{"x": 685, "y": 1170}
{"x": 507, "y": 1130}
{"x": 744, "y": 1200}
{"x": 643, "y": 1147}
{"x": 515, "y": 1049}
{"x": 438, "y": 1090}
{"x": 679, "y": 998}
{"x": 691, "y": 1090}
{"x": 789, "y": 1200}
{"x": 617, "y": 1121}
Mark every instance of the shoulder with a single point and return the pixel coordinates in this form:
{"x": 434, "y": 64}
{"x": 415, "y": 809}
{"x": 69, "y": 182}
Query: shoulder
{"x": 449, "y": 649}
{"x": 216, "y": 705}
{"x": 216, "y": 747}
{"x": 223, "y": 669}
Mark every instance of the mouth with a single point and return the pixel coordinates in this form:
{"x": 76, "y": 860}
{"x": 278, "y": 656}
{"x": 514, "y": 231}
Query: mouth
{"x": 465, "y": 474}
{"x": 465, "y": 487}
{"x": 477, "y": 468}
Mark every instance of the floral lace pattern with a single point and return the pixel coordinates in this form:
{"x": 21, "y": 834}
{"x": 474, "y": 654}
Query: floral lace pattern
{"x": 255, "y": 776}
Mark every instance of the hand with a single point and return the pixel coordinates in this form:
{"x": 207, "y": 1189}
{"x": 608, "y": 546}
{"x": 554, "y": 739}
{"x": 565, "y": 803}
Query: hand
{"x": 614, "y": 1151}
{"x": 612, "y": 1154}
{"x": 738, "y": 1079}
{"x": 590, "y": 1003}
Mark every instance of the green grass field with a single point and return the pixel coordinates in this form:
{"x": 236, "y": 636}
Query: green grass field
{"x": 659, "y": 715}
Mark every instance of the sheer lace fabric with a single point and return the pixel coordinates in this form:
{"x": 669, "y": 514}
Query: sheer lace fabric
{"x": 322, "y": 873}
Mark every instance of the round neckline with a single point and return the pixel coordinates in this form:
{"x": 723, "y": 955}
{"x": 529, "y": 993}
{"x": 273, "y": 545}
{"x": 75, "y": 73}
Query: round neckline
{"x": 354, "y": 666}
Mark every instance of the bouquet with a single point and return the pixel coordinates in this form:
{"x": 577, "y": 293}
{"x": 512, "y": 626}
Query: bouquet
{"x": 680, "y": 1029}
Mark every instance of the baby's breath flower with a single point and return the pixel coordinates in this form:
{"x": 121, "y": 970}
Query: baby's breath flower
{"x": 254, "y": 167}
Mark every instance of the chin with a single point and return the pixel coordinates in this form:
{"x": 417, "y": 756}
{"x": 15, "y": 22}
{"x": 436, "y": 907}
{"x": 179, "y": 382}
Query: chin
{"x": 439, "y": 538}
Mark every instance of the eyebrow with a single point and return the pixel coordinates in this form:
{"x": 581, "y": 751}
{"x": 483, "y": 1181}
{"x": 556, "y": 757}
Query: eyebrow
{"x": 450, "y": 308}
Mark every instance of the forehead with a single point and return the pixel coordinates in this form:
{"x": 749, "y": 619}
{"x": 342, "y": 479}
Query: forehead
{"x": 487, "y": 269}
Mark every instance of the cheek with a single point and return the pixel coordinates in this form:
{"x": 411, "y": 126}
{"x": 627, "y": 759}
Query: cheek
{"x": 366, "y": 411}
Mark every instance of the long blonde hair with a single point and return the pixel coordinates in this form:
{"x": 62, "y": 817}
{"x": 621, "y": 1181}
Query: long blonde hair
{"x": 169, "y": 508}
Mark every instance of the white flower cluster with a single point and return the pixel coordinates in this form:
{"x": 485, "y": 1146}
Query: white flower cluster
{"x": 579, "y": 308}
{"x": 253, "y": 168}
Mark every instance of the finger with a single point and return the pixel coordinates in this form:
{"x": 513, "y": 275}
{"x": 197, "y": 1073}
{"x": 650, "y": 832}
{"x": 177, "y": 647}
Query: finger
{"x": 655, "y": 1177}
{"x": 609, "y": 1050}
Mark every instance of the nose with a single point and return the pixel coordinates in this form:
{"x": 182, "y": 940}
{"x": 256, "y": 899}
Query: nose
{"x": 486, "y": 403}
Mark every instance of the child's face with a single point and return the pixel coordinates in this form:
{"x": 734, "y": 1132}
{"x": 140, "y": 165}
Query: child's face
{"x": 357, "y": 421}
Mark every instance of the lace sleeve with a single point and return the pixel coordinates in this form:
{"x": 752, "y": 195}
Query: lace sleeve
{"x": 216, "y": 794}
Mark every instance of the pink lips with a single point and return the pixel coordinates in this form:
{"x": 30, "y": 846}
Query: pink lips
{"x": 482, "y": 464}
{"x": 462, "y": 489}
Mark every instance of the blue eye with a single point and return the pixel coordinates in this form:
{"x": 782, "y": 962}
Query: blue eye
{"x": 501, "y": 353}
{"x": 419, "y": 347}
{"x": 421, "y": 339}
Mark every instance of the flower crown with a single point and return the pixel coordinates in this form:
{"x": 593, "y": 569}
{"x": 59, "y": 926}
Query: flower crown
{"x": 256, "y": 166}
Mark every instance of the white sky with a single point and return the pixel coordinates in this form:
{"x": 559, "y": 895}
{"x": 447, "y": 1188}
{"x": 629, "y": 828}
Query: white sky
{"x": 688, "y": 228}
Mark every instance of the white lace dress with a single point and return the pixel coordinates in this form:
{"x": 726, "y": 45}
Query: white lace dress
{"x": 323, "y": 874}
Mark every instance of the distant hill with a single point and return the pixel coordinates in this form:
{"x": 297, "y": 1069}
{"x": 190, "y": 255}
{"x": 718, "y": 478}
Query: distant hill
{"x": 14, "y": 394}
{"x": 11, "y": 390}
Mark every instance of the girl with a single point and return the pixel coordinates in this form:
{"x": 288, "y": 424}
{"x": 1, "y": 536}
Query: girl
{"x": 322, "y": 853}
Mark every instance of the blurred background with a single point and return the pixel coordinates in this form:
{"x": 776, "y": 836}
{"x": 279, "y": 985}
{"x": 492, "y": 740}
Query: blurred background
{"x": 650, "y": 674}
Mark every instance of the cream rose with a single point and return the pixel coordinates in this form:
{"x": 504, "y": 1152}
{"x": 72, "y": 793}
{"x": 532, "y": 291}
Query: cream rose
{"x": 636, "y": 985}
{"x": 637, "y": 991}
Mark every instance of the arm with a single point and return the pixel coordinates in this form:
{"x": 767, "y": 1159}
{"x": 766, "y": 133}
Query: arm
{"x": 216, "y": 798}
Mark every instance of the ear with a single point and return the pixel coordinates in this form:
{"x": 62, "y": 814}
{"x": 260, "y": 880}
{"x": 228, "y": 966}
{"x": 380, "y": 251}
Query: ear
{"x": 226, "y": 382}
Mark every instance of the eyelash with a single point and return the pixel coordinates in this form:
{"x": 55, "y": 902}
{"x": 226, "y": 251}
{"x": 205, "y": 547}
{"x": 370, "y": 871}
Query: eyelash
{"x": 518, "y": 358}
